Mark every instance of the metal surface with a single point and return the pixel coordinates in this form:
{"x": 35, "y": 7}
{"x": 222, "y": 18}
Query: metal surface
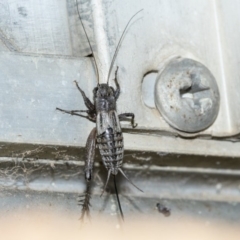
{"x": 101, "y": 42}
{"x": 42, "y": 49}
{"x": 41, "y": 39}
{"x": 33, "y": 89}
{"x": 42, "y": 188}
{"x": 43, "y": 27}
{"x": 157, "y": 180}
{"x": 186, "y": 94}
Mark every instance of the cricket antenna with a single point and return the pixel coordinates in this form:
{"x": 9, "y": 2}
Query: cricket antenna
{"x": 95, "y": 62}
{"x": 119, "y": 43}
{"x": 121, "y": 171}
{"x": 116, "y": 191}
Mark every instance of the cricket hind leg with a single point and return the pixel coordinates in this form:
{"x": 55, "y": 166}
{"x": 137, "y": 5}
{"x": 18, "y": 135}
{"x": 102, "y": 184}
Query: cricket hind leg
{"x": 125, "y": 117}
{"x": 90, "y": 154}
{"x": 84, "y": 201}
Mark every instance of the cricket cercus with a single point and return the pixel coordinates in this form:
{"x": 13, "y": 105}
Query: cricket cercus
{"x": 107, "y": 135}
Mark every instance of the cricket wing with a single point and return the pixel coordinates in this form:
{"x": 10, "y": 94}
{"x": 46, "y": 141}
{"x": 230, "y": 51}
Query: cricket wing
{"x": 107, "y": 120}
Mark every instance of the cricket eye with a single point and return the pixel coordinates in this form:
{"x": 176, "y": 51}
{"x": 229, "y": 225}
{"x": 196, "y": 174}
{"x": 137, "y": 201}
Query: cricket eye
{"x": 95, "y": 90}
{"x": 110, "y": 93}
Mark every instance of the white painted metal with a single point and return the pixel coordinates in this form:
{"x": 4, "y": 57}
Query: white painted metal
{"x": 102, "y": 53}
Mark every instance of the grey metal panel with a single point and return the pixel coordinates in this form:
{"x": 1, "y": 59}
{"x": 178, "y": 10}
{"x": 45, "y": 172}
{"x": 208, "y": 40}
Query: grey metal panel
{"x": 163, "y": 31}
{"x": 32, "y": 86}
{"x": 44, "y": 27}
{"x": 31, "y": 89}
{"x": 37, "y": 26}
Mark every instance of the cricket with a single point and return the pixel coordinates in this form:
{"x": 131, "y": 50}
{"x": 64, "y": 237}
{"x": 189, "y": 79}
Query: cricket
{"x": 107, "y": 135}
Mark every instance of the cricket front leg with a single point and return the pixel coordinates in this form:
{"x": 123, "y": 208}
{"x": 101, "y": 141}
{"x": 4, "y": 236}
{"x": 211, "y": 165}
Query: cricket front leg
{"x": 125, "y": 116}
{"x": 86, "y": 100}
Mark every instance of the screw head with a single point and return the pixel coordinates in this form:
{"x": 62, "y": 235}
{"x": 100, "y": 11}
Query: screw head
{"x": 187, "y": 95}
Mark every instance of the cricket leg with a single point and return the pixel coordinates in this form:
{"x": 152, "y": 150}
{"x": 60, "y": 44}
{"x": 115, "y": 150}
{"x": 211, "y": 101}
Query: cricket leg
{"x": 85, "y": 199}
{"x": 125, "y": 116}
{"x": 87, "y": 102}
{"x": 90, "y": 148}
{"x": 74, "y": 112}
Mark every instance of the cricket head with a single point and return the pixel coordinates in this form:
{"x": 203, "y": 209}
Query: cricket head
{"x": 103, "y": 91}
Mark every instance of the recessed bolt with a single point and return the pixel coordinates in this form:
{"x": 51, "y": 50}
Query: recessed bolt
{"x": 187, "y": 96}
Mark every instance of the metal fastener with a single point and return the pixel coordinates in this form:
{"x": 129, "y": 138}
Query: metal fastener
{"x": 187, "y": 95}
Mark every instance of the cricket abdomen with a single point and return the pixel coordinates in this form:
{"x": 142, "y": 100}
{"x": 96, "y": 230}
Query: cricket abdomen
{"x": 110, "y": 145}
